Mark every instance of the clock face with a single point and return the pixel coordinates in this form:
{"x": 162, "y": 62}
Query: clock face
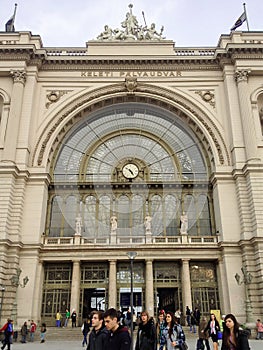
{"x": 130, "y": 171}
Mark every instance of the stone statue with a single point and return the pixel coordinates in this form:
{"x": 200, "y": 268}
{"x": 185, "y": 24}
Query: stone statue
{"x": 131, "y": 30}
{"x": 130, "y": 23}
{"x": 148, "y": 223}
{"x": 152, "y": 34}
{"x": 114, "y": 223}
{"x": 106, "y": 34}
{"x": 78, "y": 225}
{"x": 184, "y": 223}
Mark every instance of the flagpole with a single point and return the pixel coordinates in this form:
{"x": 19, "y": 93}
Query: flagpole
{"x": 245, "y": 11}
{"x": 14, "y": 16}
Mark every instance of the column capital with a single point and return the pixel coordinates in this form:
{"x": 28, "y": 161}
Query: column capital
{"x": 19, "y": 76}
{"x": 241, "y": 75}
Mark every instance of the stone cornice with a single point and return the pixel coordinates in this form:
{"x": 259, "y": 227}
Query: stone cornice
{"x": 195, "y": 58}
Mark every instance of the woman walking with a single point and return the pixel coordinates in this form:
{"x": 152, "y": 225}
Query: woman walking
{"x": 213, "y": 328}
{"x": 173, "y": 334}
{"x": 146, "y": 336}
{"x": 234, "y": 338}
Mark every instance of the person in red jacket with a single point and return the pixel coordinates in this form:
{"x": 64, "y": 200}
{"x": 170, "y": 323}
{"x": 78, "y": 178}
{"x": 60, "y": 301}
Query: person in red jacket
{"x": 8, "y": 331}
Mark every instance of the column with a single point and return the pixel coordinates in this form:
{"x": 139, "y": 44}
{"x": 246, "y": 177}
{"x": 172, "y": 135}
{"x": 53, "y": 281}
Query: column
{"x": 223, "y": 288}
{"x": 186, "y": 285}
{"x": 14, "y": 115}
{"x": 149, "y": 295}
{"x": 249, "y": 131}
{"x": 38, "y": 292}
{"x": 75, "y": 287}
{"x": 113, "y": 284}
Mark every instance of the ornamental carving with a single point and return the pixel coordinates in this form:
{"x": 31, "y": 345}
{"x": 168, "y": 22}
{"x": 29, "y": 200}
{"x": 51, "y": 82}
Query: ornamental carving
{"x": 207, "y": 96}
{"x": 54, "y": 96}
{"x": 131, "y": 30}
{"x": 19, "y": 76}
{"x": 131, "y": 84}
{"x": 241, "y": 75}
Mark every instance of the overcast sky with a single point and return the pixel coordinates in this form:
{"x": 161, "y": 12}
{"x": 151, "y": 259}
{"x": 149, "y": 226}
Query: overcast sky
{"x": 186, "y": 22}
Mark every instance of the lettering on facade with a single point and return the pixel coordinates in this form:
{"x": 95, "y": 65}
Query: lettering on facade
{"x": 133, "y": 74}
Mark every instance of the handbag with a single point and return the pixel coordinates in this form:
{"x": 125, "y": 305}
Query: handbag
{"x": 220, "y": 335}
{"x": 184, "y": 346}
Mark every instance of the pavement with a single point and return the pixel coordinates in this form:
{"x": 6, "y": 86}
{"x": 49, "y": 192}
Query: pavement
{"x": 76, "y": 345}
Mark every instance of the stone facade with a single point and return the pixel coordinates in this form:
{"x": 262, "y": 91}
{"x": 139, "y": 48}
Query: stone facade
{"x": 214, "y": 93}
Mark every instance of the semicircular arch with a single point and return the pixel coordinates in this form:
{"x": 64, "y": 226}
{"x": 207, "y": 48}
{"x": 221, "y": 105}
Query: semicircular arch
{"x": 52, "y": 133}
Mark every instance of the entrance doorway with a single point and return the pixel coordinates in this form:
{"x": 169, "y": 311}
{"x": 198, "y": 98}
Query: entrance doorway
{"x": 167, "y": 299}
{"x": 93, "y": 299}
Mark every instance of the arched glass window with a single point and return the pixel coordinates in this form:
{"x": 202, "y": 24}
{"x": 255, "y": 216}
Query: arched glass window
{"x": 137, "y": 215}
{"x": 170, "y": 210}
{"x": 204, "y": 216}
{"x": 56, "y": 216}
{"x": 157, "y": 215}
{"x": 69, "y": 214}
{"x": 90, "y": 216}
{"x": 104, "y": 215}
{"x": 190, "y": 209}
{"x": 124, "y": 215}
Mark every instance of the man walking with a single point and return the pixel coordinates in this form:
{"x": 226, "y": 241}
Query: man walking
{"x": 99, "y": 333}
{"x": 119, "y": 336}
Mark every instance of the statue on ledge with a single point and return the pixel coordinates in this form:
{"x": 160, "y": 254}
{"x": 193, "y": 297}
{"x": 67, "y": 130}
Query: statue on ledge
{"x": 131, "y": 30}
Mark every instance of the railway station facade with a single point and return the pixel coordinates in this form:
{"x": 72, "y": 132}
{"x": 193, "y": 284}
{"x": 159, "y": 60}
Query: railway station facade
{"x": 127, "y": 128}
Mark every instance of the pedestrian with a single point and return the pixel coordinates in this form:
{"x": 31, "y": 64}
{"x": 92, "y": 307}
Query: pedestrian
{"x": 213, "y": 328}
{"x": 8, "y": 332}
{"x": 259, "y": 326}
{"x": 119, "y": 336}
{"x": 85, "y": 331}
{"x": 74, "y": 318}
{"x": 43, "y": 331}
{"x": 160, "y": 325}
{"x": 173, "y": 334}
{"x": 33, "y": 328}
{"x": 58, "y": 319}
{"x": 177, "y": 315}
{"x": 188, "y": 316}
{"x": 202, "y": 336}
{"x": 193, "y": 323}
{"x": 99, "y": 333}
{"x": 67, "y": 316}
{"x": 146, "y": 335}
{"x": 24, "y": 332}
{"x": 233, "y": 336}
{"x": 197, "y": 315}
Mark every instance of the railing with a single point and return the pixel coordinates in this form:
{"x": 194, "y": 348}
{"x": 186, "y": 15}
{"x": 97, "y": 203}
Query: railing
{"x": 134, "y": 240}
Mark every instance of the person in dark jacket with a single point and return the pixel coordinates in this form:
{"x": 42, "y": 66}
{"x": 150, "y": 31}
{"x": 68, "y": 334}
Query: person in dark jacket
{"x": 146, "y": 336}
{"x": 213, "y": 328}
{"x": 8, "y": 331}
{"x": 85, "y": 331}
{"x": 119, "y": 336}
{"x": 99, "y": 334}
{"x": 233, "y": 336}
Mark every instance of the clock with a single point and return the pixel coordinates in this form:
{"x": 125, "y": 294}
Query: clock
{"x": 130, "y": 171}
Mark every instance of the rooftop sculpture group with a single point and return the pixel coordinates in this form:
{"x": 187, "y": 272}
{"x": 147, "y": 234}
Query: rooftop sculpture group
{"x": 131, "y": 30}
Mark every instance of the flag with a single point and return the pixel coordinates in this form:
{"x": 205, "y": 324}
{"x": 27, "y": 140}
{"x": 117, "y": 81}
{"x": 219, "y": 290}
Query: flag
{"x": 9, "y": 26}
{"x": 240, "y": 21}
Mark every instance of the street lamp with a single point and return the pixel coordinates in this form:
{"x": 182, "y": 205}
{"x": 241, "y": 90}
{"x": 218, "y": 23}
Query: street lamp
{"x": 2, "y": 288}
{"x": 131, "y": 256}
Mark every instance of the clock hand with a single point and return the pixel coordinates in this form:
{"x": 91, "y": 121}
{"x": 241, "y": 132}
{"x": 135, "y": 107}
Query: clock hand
{"x": 130, "y": 171}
